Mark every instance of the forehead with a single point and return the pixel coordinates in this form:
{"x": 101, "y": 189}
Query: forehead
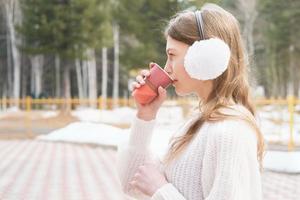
{"x": 173, "y": 44}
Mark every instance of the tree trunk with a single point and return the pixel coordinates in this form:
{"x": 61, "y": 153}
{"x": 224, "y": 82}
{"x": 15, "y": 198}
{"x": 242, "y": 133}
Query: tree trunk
{"x": 116, "y": 65}
{"x": 57, "y": 76}
{"x": 32, "y": 82}
{"x": 274, "y": 78}
{"x": 293, "y": 69}
{"x": 92, "y": 74}
{"x": 14, "y": 17}
{"x": 79, "y": 78}
{"x": 24, "y": 80}
{"x": 104, "y": 78}
{"x": 37, "y": 62}
{"x": 248, "y": 8}
{"x": 85, "y": 75}
{"x": 4, "y": 96}
{"x": 9, "y": 67}
{"x": 67, "y": 87}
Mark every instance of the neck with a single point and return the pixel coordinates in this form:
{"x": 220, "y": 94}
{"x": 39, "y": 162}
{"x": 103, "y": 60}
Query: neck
{"x": 204, "y": 92}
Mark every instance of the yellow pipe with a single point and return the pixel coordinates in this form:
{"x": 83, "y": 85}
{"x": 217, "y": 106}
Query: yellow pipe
{"x": 28, "y": 116}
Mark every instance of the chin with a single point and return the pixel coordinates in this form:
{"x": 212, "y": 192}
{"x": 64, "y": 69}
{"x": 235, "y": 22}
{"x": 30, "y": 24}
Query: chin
{"x": 181, "y": 92}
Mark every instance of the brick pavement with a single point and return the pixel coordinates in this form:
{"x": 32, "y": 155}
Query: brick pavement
{"x": 35, "y": 170}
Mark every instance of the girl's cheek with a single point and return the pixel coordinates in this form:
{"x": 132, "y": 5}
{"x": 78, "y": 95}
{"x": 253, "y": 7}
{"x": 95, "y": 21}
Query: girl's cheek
{"x": 172, "y": 64}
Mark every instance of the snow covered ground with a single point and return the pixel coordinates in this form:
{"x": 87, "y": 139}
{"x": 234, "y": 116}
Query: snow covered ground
{"x": 282, "y": 161}
{"x": 275, "y": 124}
{"x": 273, "y": 121}
{"x": 121, "y": 115}
{"x": 124, "y": 115}
{"x": 15, "y": 112}
{"x": 93, "y": 127}
{"x": 10, "y": 111}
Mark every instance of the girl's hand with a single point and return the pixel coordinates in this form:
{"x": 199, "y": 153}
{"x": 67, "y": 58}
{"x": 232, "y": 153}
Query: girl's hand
{"x": 148, "y": 112}
{"x": 148, "y": 179}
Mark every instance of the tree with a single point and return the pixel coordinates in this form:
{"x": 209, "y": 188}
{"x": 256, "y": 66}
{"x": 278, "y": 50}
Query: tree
{"x": 249, "y": 10}
{"x": 70, "y": 30}
{"x": 280, "y": 27}
{"x": 141, "y": 28}
{"x": 13, "y": 17}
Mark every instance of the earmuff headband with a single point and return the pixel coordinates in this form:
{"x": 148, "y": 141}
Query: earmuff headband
{"x": 206, "y": 59}
{"x": 200, "y": 25}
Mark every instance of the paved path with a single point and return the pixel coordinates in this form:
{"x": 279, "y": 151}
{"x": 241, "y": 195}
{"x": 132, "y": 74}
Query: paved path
{"x": 35, "y": 170}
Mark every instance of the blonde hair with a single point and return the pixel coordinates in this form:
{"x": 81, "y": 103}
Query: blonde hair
{"x": 231, "y": 85}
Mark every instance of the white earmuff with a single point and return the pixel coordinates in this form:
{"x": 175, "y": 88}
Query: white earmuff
{"x": 207, "y": 58}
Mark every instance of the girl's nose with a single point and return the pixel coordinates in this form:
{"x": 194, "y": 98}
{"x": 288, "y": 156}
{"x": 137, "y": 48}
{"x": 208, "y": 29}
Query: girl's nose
{"x": 168, "y": 69}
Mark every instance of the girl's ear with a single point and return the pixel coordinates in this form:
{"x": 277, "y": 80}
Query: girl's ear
{"x": 207, "y": 59}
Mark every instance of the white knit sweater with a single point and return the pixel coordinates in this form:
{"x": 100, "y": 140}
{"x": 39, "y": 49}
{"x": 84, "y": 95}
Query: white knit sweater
{"x": 219, "y": 164}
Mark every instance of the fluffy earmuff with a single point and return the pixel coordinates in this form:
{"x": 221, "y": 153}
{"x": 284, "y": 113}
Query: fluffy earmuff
{"x": 207, "y": 59}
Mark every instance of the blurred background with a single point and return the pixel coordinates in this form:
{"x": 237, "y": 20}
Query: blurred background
{"x": 66, "y": 68}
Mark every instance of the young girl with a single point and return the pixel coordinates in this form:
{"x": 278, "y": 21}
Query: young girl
{"x": 218, "y": 153}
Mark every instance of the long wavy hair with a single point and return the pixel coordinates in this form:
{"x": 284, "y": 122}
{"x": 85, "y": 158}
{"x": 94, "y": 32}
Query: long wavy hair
{"x": 232, "y": 85}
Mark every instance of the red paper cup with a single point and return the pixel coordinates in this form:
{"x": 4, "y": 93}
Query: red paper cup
{"x": 158, "y": 77}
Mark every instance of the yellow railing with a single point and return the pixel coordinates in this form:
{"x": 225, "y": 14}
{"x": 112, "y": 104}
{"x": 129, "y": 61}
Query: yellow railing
{"x": 29, "y": 104}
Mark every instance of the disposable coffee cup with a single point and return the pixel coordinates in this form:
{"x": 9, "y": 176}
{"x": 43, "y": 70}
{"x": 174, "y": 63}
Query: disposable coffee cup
{"x": 147, "y": 92}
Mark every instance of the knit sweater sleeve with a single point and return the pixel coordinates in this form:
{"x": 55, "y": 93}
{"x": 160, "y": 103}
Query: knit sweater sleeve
{"x": 134, "y": 153}
{"x": 168, "y": 192}
{"x": 235, "y": 148}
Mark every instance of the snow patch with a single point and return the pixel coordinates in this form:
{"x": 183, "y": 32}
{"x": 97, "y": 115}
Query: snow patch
{"x": 279, "y": 161}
